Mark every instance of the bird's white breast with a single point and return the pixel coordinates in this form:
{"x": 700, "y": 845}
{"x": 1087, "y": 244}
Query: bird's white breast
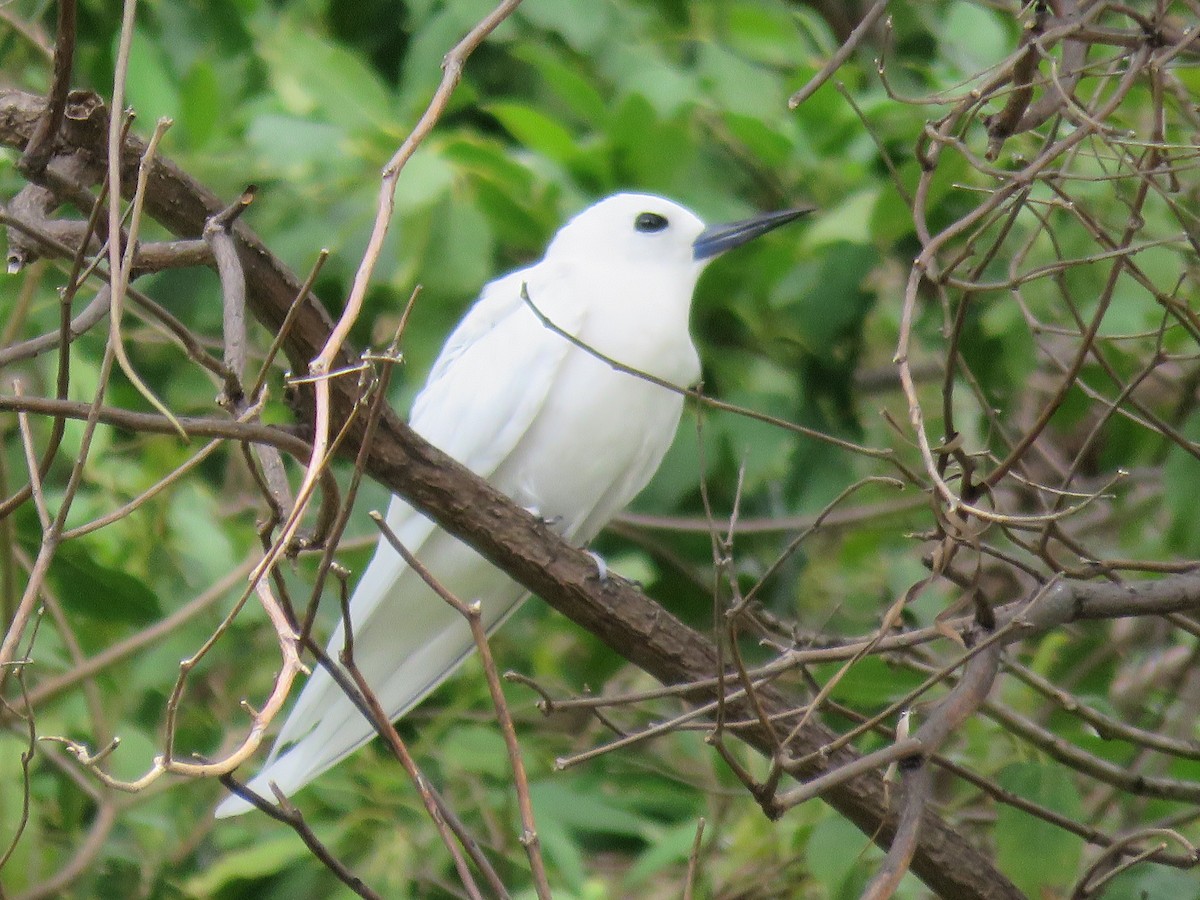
{"x": 602, "y": 432}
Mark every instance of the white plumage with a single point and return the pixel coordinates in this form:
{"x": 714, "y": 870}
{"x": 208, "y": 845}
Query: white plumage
{"x": 556, "y": 429}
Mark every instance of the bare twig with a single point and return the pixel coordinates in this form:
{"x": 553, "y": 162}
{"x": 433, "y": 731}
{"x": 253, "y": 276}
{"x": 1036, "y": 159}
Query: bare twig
{"x": 473, "y": 614}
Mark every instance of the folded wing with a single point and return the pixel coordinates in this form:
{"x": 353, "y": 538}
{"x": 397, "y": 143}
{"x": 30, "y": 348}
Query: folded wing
{"x": 484, "y": 392}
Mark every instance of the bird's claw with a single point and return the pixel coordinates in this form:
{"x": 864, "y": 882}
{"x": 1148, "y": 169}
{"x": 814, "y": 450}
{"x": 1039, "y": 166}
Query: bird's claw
{"x": 601, "y": 566}
{"x": 548, "y": 521}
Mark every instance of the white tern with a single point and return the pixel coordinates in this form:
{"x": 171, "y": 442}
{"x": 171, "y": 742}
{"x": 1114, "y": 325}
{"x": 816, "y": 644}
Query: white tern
{"x": 558, "y": 430}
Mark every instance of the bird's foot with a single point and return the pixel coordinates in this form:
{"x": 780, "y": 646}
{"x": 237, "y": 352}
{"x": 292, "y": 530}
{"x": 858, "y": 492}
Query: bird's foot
{"x": 601, "y": 566}
{"x": 548, "y": 521}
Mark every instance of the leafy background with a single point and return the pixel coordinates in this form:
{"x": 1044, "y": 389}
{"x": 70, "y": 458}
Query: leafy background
{"x": 565, "y": 103}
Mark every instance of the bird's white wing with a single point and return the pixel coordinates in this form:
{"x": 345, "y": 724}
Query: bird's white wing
{"x": 486, "y": 388}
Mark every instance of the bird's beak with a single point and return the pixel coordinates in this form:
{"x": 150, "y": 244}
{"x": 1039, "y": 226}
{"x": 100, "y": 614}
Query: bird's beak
{"x": 719, "y": 238}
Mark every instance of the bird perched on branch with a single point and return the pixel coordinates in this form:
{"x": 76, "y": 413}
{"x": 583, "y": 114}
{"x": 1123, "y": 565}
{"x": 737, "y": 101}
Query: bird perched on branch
{"x": 559, "y": 430}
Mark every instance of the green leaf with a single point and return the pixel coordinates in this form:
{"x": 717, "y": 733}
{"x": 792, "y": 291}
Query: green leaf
{"x": 849, "y": 221}
{"x": 641, "y": 73}
{"x": 833, "y": 853}
{"x": 477, "y": 749}
{"x": 21, "y": 868}
{"x": 678, "y": 474}
{"x": 765, "y": 32}
{"x": 648, "y": 151}
{"x": 738, "y": 84}
{"x": 976, "y": 37}
{"x": 135, "y": 755}
{"x": 561, "y": 850}
{"x": 763, "y": 448}
{"x": 672, "y": 847}
{"x": 535, "y": 130}
{"x": 768, "y": 143}
{"x": 832, "y": 301}
{"x": 425, "y": 179}
{"x": 870, "y": 682}
{"x": 198, "y": 533}
{"x": 458, "y": 259}
{"x": 90, "y": 588}
{"x": 582, "y": 25}
{"x": 421, "y": 66}
{"x": 634, "y": 565}
{"x": 261, "y": 859}
{"x": 317, "y": 78}
{"x": 200, "y": 104}
{"x": 585, "y": 811}
{"x": 1149, "y": 882}
{"x": 1040, "y": 858}
{"x": 1131, "y": 310}
{"x": 293, "y": 146}
{"x": 578, "y": 93}
{"x": 1180, "y": 474}
{"x": 151, "y": 87}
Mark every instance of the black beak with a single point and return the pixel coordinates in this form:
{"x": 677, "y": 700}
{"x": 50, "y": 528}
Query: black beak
{"x": 719, "y": 238}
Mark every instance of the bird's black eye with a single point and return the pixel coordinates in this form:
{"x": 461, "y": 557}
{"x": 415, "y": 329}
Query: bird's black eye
{"x": 648, "y": 223}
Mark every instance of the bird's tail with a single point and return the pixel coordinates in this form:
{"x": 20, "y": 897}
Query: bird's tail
{"x": 407, "y": 641}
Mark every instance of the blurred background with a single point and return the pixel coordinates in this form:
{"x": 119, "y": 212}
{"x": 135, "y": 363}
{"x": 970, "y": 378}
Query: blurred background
{"x": 563, "y": 104}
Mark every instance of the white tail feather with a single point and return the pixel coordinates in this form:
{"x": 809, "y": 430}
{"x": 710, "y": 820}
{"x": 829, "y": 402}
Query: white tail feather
{"x": 403, "y": 650}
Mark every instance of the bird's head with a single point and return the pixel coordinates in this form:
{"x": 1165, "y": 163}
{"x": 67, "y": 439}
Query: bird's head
{"x": 643, "y": 229}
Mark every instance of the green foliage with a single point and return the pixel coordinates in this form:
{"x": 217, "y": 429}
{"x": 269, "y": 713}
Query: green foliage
{"x": 1042, "y": 858}
{"x": 567, "y": 102}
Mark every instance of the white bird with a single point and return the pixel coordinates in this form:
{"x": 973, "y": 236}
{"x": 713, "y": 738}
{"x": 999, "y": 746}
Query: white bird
{"x": 559, "y": 431}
